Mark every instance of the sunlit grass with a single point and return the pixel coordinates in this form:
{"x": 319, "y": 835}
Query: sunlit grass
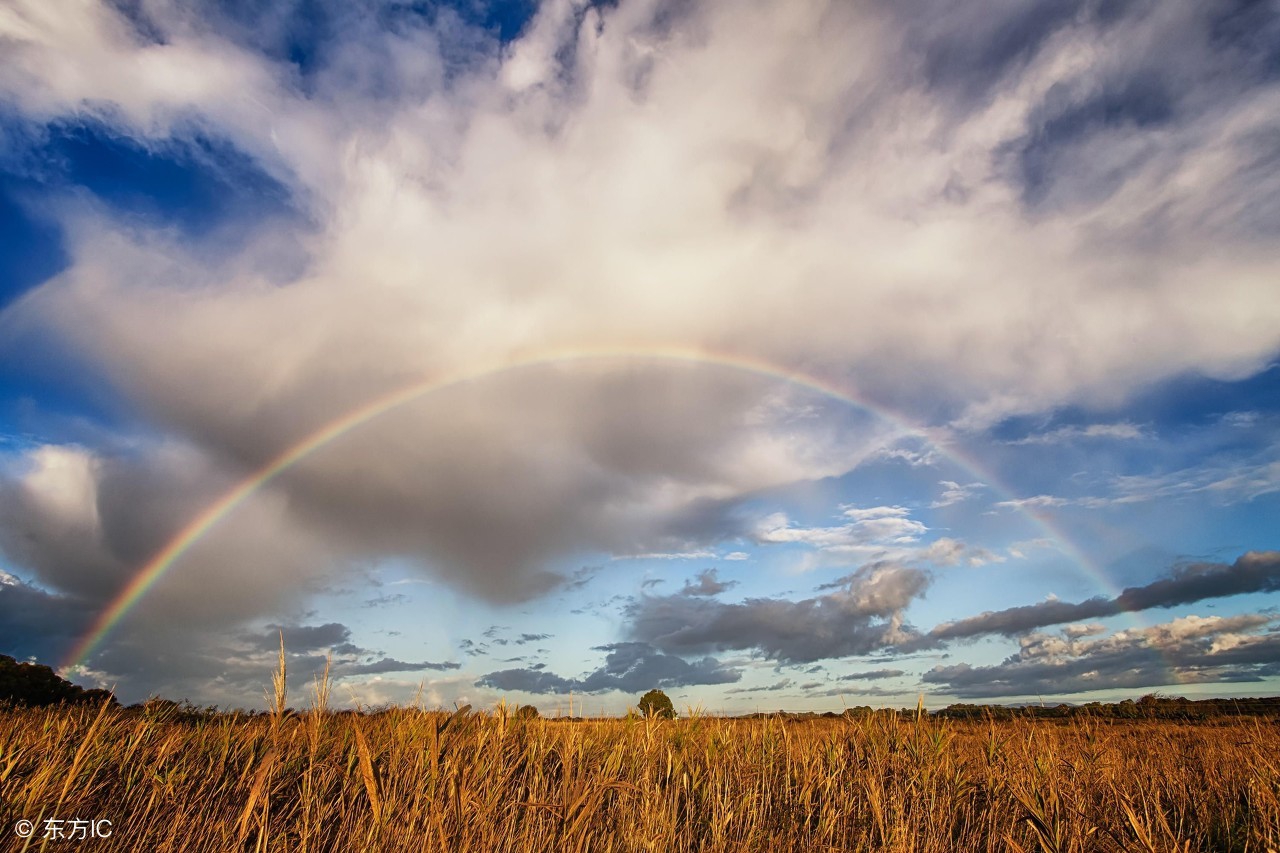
{"x": 410, "y": 779}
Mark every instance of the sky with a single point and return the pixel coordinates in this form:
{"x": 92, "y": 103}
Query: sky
{"x": 793, "y": 355}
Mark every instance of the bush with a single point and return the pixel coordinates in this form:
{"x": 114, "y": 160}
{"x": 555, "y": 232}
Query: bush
{"x": 656, "y": 704}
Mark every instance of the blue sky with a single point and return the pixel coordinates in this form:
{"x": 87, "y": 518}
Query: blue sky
{"x": 816, "y": 354}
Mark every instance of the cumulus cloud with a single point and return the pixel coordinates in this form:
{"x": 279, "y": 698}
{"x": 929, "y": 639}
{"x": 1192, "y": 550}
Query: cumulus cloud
{"x": 944, "y": 208}
{"x": 85, "y": 521}
{"x": 1189, "y": 650}
{"x": 864, "y": 614}
{"x": 1256, "y": 571}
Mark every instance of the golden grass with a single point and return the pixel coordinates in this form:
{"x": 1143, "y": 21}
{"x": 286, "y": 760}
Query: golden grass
{"x": 408, "y": 779}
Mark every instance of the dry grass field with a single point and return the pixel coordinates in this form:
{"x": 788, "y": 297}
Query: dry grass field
{"x": 407, "y": 779}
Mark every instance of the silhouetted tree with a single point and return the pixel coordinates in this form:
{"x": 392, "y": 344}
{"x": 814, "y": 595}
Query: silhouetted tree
{"x": 24, "y": 683}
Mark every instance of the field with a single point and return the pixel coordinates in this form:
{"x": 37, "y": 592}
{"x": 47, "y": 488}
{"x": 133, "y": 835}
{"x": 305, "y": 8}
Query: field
{"x": 408, "y": 779}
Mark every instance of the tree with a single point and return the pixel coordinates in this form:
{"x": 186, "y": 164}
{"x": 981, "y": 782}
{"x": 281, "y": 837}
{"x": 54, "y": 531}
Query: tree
{"x": 35, "y": 684}
{"x": 656, "y": 704}
{"x": 526, "y": 712}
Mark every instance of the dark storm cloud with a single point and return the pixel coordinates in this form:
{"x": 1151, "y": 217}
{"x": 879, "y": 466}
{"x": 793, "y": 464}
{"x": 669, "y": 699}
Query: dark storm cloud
{"x": 865, "y": 615}
{"x": 87, "y": 522}
{"x": 301, "y": 639}
{"x": 706, "y": 584}
{"x": 234, "y": 668}
{"x": 38, "y": 624}
{"x": 628, "y": 667}
{"x": 1237, "y": 649}
{"x": 1256, "y": 571}
{"x": 532, "y": 679}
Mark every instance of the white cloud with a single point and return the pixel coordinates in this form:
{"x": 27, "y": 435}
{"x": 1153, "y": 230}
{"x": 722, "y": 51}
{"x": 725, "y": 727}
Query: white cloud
{"x": 870, "y": 528}
{"x": 782, "y": 182}
{"x": 1229, "y": 482}
{"x": 62, "y": 480}
{"x": 954, "y": 493}
{"x": 1123, "y": 431}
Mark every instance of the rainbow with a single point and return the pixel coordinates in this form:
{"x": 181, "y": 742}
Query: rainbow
{"x": 164, "y": 560}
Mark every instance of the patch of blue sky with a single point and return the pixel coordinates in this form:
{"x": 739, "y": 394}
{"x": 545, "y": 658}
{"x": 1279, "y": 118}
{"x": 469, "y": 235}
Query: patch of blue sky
{"x": 312, "y": 36}
{"x": 193, "y": 183}
{"x": 42, "y": 393}
{"x": 198, "y": 186}
{"x": 31, "y": 249}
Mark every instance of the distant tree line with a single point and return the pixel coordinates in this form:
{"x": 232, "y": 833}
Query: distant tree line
{"x": 34, "y": 684}
{"x": 1152, "y": 706}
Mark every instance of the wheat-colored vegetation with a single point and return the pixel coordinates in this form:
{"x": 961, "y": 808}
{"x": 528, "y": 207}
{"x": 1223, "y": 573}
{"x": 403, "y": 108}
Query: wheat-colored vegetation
{"x": 175, "y": 777}
{"x": 410, "y": 779}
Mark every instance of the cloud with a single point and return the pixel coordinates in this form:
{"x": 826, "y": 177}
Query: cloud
{"x": 781, "y": 684}
{"x": 630, "y": 667}
{"x": 864, "y": 614}
{"x": 954, "y": 493}
{"x": 1233, "y": 481}
{"x": 603, "y": 180}
{"x": 707, "y": 584}
{"x": 1188, "y": 650}
{"x": 35, "y": 623}
{"x": 1255, "y": 571}
{"x": 301, "y": 639}
{"x": 84, "y": 522}
{"x": 1123, "y": 431}
{"x": 386, "y": 664}
{"x": 867, "y": 530}
{"x": 872, "y": 675}
{"x": 946, "y": 551}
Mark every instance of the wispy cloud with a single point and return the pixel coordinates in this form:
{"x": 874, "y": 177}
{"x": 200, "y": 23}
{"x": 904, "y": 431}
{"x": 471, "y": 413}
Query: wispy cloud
{"x": 954, "y": 493}
{"x": 1123, "y": 431}
{"x": 1230, "y": 483}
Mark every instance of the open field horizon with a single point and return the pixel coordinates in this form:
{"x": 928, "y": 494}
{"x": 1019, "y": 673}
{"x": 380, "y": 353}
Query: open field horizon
{"x": 407, "y": 779}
